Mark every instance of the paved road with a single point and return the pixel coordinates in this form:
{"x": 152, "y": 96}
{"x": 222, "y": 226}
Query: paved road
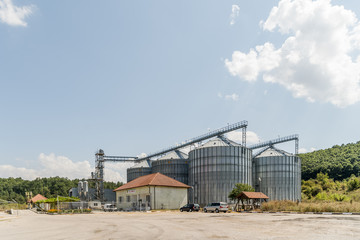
{"x": 176, "y": 225}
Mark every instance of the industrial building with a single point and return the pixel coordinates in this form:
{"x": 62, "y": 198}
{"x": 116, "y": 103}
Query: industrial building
{"x": 87, "y": 194}
{"x": 215, "y": 164}
{"x": 153, "y": 191}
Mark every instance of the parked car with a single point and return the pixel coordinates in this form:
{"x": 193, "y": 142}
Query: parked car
{"x": 109, "y": 207}
{"x": 217, "y": 207}
{"x": 190, "y": 207}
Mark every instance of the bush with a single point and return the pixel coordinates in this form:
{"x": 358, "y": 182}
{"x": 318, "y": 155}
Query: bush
{"x": 353, "y": 184}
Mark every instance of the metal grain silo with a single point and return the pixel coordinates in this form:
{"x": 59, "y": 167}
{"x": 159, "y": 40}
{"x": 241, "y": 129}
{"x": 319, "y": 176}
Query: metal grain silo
{"x": 141, "y": 169}
{"x": 174, "y": 165}
{"x": 277, "y": 174}
{"x": 215, "y": 168}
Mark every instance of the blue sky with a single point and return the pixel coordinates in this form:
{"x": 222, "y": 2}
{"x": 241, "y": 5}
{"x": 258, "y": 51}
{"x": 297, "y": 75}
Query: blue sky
{"x": 134, "y": 77}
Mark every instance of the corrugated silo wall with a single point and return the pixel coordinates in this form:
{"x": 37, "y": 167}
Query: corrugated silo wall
{"x": 280, "y": 177}
{"x": 174, "y": 168}
{"x": 133, "y": 173}
{"x": 214, "y": 171}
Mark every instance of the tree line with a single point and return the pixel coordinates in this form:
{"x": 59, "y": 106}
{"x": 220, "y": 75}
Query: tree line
{"x": 338, "y": 162}
{"x": 15, "y": 188}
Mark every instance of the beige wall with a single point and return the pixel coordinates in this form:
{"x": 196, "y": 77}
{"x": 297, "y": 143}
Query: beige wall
{"x": 160, "y": 197}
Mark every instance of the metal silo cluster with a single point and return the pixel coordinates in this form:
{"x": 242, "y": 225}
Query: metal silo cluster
{"x": 213, "y": 168}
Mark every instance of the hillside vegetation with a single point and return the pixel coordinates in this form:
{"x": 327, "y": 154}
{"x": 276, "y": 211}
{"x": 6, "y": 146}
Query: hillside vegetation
{"x": 15, "y": 188}
{"x": 339, "y": 162}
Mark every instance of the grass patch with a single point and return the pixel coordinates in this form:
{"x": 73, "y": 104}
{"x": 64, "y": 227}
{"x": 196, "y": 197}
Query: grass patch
{"x": 15, "y": 206}
{"x": 311, "y": 206}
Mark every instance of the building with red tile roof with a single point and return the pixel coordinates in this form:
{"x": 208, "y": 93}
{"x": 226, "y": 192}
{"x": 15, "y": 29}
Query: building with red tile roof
{"x": 37, "y": 198}
{"x": 153, "y": 191}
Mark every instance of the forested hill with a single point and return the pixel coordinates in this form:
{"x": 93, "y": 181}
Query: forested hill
{"x": 339, "y": 162}
{"x": 15, "y": 188}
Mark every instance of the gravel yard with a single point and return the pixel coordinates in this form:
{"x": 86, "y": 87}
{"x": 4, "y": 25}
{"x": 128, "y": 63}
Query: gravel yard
{"x": 176, "y": 225}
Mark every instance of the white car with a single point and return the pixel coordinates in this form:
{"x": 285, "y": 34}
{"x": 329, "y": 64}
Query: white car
{"x": 217, "y": 207}
{"x": 109, "y": 208}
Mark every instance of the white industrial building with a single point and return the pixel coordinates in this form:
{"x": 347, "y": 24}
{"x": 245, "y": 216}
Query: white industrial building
{"x": 153, "y": 191}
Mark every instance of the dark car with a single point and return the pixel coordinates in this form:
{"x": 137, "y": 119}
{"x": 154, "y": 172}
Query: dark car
{"x": 190, "y": 207}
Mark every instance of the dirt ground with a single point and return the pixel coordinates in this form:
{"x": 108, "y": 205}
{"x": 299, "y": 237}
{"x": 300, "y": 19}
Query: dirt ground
{"x": 176, "y": 225}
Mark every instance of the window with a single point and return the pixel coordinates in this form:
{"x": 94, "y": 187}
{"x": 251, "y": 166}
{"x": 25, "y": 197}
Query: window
{"x": 95, "y": 204}
{"x": 148, "y": 198}
{"x": 120, "y": 199}
{"x": 128, "y": 198}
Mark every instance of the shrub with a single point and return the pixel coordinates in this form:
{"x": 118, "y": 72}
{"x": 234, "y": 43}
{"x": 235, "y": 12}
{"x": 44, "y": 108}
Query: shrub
{"x": 353, "y": 184}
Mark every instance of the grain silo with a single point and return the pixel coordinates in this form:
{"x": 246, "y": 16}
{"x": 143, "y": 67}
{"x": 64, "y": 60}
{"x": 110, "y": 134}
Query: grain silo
{"x": 215, "y": 168}
{"x": 174, "y": 164}
{"x": 141, "y": 169}
{"x": 277, "y": 174}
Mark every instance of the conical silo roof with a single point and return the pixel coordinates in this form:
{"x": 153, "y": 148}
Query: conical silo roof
{"x": 272, "y": 152}
{"x": 220, "y": 141}
{"x": 143, "y": 164}
{"x": 174, "y": 155}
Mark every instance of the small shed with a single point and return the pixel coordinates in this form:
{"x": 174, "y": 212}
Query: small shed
{"x": 33, "y": 200}
{"x": 37, "y": 198}
{"x": 251, "y": 200}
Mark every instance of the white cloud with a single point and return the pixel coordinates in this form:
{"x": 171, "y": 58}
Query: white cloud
{"x": 13, "y": 15}
{"x": 116, "y": 172}
{"x": 235, "y": 9}
{"x": 52, "y": 165}
{"x": 251, "y": 137}
{"x": 11, "y": 171}
{"x": 304, "y": 150}
{"x": 320, "y": 59}
{"x": 233, "y": 97}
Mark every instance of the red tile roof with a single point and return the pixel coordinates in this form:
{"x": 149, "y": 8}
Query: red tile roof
{"x": 252, "y": 195}
{"x": 37, "y": 198}
{"x": 155, "y": 179}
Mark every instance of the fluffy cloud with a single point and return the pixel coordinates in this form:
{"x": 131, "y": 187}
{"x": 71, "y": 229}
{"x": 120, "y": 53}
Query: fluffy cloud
{"x": 116, "y": 171}
{"x": 235, "y": 9}
{"x": 320, "y": 59}
{"x": 13, "y": 15}
{"x": 251, "y": 137}
{"x": 52, "y": 165}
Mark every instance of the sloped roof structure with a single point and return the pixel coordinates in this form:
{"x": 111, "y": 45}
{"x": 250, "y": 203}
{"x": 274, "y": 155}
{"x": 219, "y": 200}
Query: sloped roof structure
{"x": 154, "y": 179}
{"x": 144, "y": 164}
{"x": 252, "y": 195}
{"x": 37, "y": 198}
{"x": 271, "y": 152}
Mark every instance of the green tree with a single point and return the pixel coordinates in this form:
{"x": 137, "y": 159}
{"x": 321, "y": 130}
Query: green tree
{"x": 240, "y": 187}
